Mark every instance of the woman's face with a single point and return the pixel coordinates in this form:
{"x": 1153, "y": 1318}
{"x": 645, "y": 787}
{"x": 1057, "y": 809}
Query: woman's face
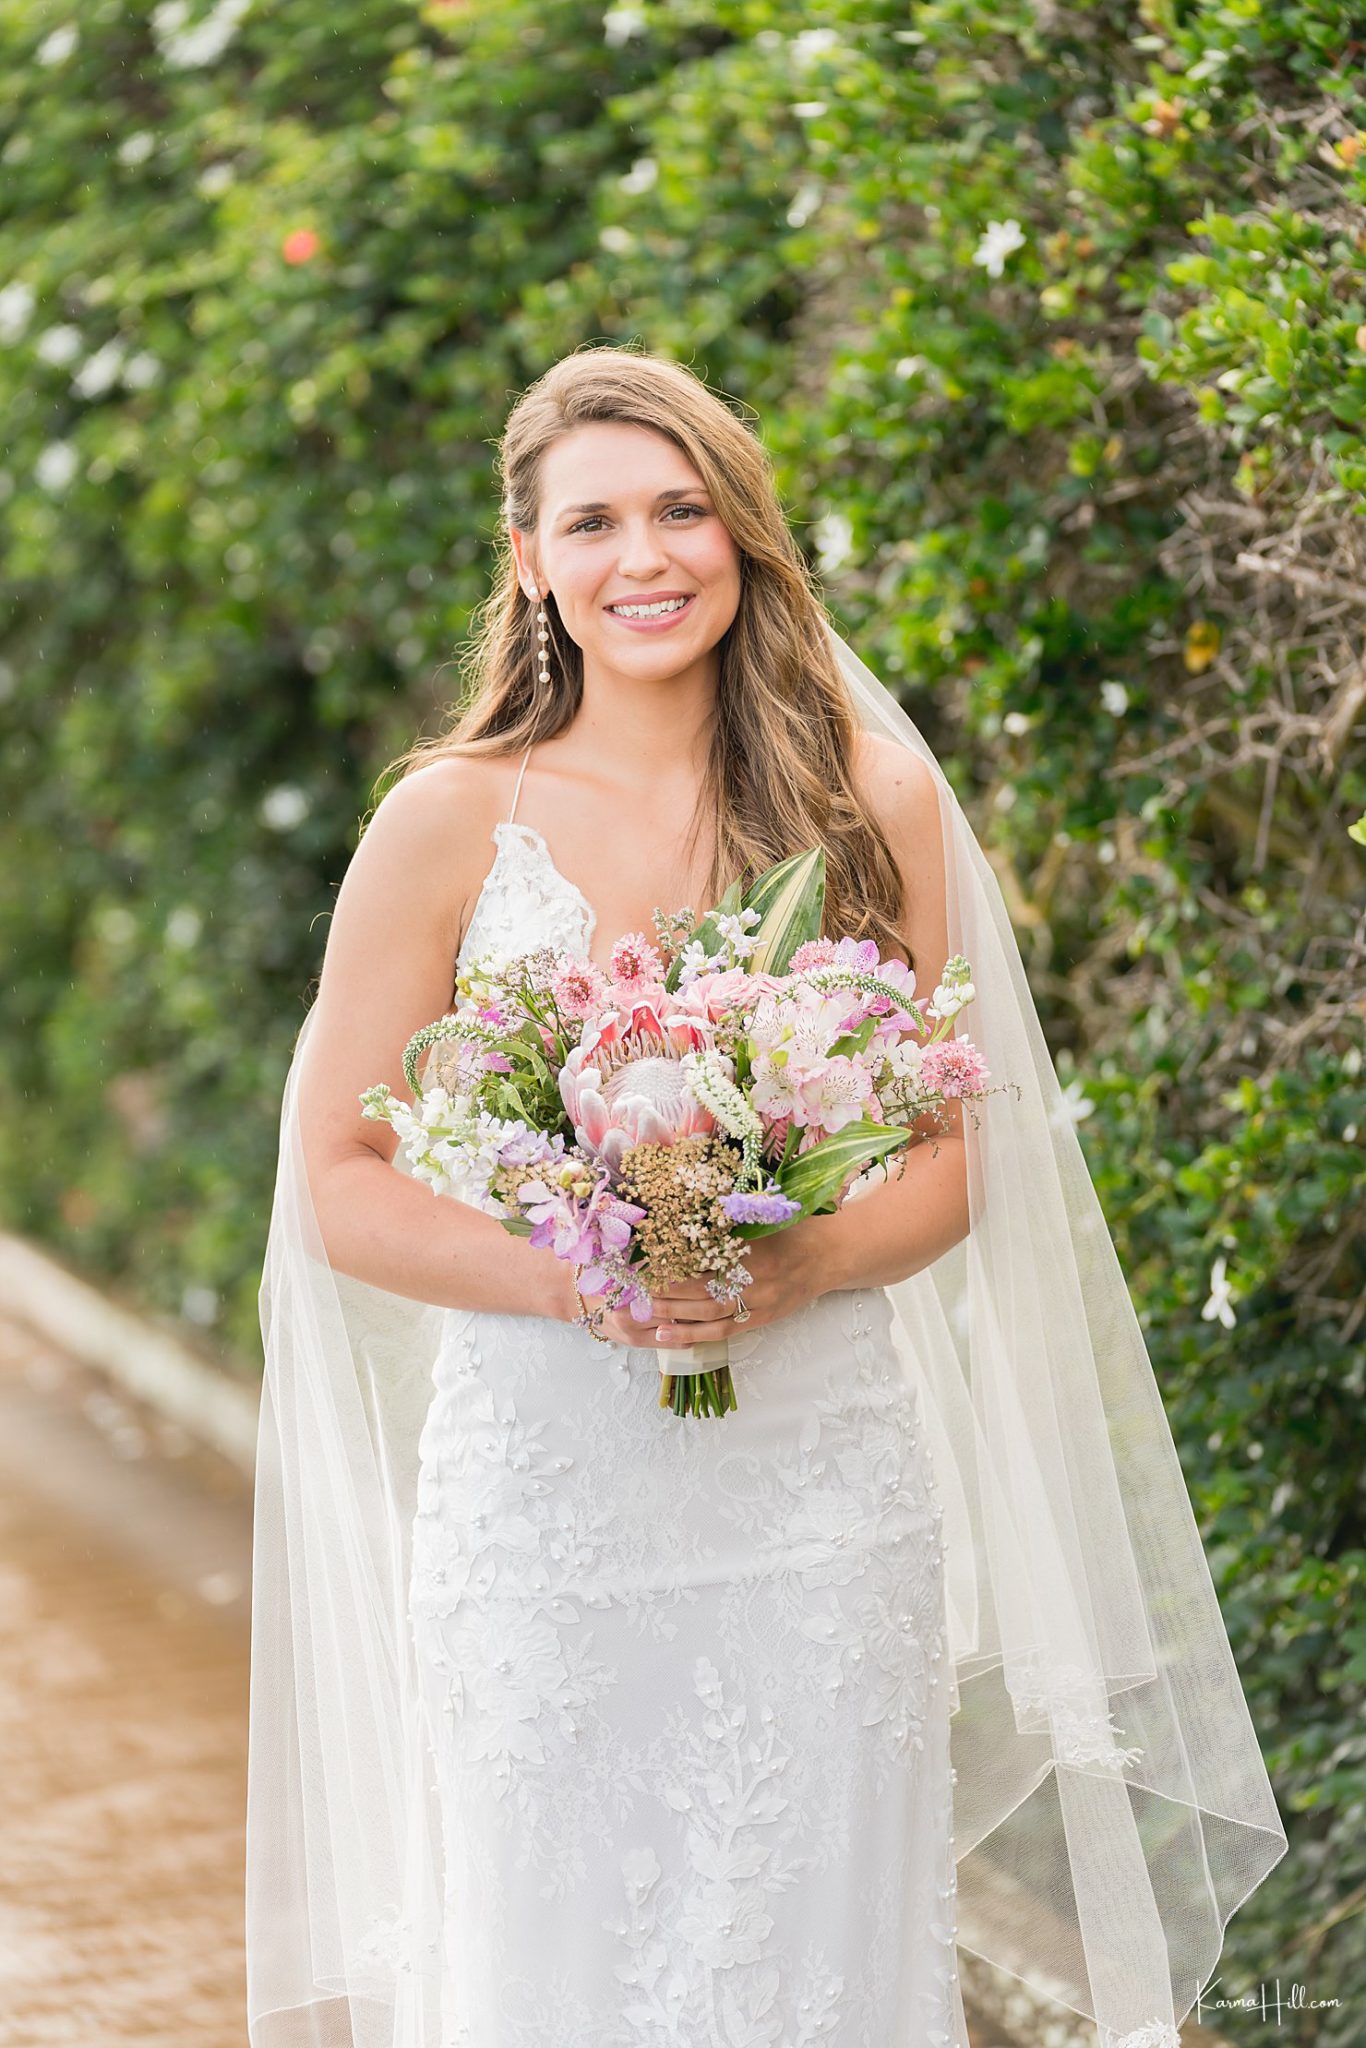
{"x": 625, "y": 518}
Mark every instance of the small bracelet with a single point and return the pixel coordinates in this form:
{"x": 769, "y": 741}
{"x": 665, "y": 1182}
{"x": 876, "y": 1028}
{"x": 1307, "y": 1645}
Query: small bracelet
{"x": 589, "y": 1319}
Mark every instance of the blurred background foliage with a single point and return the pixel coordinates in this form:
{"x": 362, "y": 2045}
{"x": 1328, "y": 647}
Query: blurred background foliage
{"x": 1055, "y": 319}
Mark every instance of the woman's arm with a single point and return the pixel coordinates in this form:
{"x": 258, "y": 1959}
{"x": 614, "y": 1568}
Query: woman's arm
{"x": 893, "y": 1229}
{"x": 897, "y": 1228}
{"x": 388, "y": 969}
{"x": 393, "y": 1231}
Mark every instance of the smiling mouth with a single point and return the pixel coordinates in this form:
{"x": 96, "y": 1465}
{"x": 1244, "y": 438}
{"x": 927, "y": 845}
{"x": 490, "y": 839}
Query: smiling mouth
{"x": 647, "y": 614}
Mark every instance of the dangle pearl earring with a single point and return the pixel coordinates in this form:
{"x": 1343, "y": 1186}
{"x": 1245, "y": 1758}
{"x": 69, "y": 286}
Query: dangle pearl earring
{"x": 543, "y": 639}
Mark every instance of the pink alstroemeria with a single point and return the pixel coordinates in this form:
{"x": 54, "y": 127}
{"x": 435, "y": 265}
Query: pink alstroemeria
{"x": 793, "y": 1072}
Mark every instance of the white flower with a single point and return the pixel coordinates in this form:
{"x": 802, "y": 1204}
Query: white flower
{"x": 730, "y": 927}
{"x": 834, "y": 538}
{"x": 58, "y": 345}
{"x": 693, "y": 959}
{"x": 184, "y": 925}
{"x": 141, "y": 370}
{"x": 135, "y": 149}
{"x": 56, "y": 48}
{"x": 1220, "y": 1296}
{"x": 16, "y": 307}
{"x": 215, "y": 179}
{"x": 1115, "y": 698}
{"x": 643, "y": 173}
{"x": 618, "y": 241}
{"x": 185, "y": 48}
{"x": 99, "y": 370}
{"x": 947, "y": 1002}
{"x": 619, "y": 24}
{"x": 725, "y": 1922}
{"x": 998, "y": 240}
{"x": 812, "y": 43}
{"x": 1076, "y": 1103}
{"x": 905, "y": 1058}
{"x": 56, "y": 466}
{"x": 284, "y": 807}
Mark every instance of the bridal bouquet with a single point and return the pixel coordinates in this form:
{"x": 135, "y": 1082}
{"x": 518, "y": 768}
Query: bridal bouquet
{"x": 713, "y": 1085}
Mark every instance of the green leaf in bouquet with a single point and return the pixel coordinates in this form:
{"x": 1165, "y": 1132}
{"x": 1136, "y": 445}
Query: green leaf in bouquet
{"x": 816, "y": 1177}
{"x": 790, "y": 900}
{"x": 856, "y": 1040}
{"x": 510, "y": 1103}
{"x": 527, "y": 1045}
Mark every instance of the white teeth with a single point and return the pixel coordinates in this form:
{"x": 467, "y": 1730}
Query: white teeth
{"x": 648, "y": 611}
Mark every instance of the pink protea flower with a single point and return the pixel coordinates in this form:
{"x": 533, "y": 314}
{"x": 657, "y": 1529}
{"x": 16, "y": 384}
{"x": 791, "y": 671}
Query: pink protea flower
{"x": 647, "y": 1012}
{"x": 630, "y": 1091}
{"x": 953, "y": 1067}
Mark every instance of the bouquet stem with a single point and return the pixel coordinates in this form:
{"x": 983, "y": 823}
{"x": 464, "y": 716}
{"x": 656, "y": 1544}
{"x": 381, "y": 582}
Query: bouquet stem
{"x": 695, "y": 1379}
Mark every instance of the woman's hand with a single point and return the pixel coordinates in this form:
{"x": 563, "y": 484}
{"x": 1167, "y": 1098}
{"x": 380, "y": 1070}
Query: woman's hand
{"x": 788, "y": 1271}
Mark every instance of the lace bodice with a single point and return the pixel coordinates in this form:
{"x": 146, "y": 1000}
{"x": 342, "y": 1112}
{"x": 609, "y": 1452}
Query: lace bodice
{"x": 525, "y": 901}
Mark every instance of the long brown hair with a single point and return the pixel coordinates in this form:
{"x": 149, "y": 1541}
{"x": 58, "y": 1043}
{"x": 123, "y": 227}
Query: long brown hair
{"x": 779, "y": 773}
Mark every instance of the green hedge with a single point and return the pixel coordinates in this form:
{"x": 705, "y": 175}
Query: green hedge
{"x": 1055, "y": 320}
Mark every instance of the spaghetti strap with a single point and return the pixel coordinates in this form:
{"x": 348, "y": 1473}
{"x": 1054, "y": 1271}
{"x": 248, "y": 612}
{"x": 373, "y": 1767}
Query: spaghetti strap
{"x": 518, "y": 790}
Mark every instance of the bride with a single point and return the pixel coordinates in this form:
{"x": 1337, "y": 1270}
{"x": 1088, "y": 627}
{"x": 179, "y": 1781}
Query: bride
{"x": 577, "y": 1722}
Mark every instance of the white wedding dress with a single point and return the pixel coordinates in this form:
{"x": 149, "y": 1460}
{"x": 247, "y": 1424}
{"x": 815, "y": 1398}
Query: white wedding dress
{"x": 684, "y": 1679}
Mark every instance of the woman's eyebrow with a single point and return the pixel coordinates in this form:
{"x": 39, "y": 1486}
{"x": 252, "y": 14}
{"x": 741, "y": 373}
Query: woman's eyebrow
{"x": 601, "y": 505}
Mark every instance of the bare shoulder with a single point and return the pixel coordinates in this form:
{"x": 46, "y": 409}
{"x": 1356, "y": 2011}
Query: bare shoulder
{"x": 436, "y": 823}
{"x": 444, "y": 798}
{"x": 388, "y": 966}
{"x": 900, "y": 789}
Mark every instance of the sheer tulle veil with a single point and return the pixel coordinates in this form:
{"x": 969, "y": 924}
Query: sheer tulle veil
{"x": 1111, "y": 1804}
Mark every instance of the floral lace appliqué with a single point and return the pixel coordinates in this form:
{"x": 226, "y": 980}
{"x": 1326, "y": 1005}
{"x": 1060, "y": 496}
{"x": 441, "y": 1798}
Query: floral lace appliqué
{"x": 525, "y": 901}
{"x": 1156, "y": 2034}
{"x": 1075, "y": 1705}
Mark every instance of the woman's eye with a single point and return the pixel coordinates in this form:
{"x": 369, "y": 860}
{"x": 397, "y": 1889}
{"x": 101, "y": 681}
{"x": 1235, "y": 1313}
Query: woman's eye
{"x": 595, "y": 519}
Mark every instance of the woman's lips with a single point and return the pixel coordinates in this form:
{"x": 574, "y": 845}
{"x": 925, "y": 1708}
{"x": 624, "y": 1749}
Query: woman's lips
{"x": 659, "y": 625}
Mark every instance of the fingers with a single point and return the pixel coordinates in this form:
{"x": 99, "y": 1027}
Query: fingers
{"x": 682, "y": 1336}
{"x": 680, "y": 1292}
